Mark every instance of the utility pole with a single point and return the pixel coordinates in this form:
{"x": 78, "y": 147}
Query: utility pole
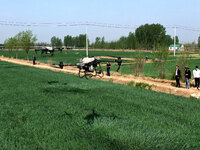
{"x": 86, "y": 40}
{"x": 174, "y": 40}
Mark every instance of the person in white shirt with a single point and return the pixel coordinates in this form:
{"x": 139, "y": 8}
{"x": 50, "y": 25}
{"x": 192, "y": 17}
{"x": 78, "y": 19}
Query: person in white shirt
{"x": 196, "y": 74}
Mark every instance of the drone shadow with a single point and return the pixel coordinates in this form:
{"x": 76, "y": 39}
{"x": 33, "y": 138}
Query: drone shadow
{"x": 52, "y": 82}
{"x": 55, "y": 82}
{"x": 53, "y": 90}
{"x": 90, "y": 118}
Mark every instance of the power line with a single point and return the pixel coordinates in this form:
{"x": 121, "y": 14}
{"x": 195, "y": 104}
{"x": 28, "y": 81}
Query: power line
{"x": 95, "y": 24}
{"x": 48, "y": 24}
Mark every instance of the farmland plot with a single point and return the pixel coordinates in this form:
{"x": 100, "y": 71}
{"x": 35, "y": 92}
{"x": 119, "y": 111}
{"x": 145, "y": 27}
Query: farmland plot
{"x": 41, "y": 109}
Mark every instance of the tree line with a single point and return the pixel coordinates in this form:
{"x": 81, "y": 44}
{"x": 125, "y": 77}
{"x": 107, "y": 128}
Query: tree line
{"x": 23, "y": 40}
{"x": 148, "y": 36}
{"x": 77, "y": 41}
{"x": 69, "y": 41}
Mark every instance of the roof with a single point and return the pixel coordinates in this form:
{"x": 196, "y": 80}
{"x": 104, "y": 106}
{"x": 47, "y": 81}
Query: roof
{"x": 177, "y": 45}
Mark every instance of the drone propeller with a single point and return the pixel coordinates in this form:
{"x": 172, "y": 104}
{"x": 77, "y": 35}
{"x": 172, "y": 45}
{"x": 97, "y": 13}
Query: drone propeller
{"x": 114, "y": 56}
{"x": 70, "y": 60}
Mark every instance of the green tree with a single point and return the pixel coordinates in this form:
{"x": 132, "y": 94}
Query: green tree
{"x": 97, "y": 43}
{"x": 78, "y": 41}
{"x": 131, "y": 41}
{"x": 167, "y": 40}
{"x": 53, "y": 41}
{"x": 122, "y": 43}
{"x": 68, "y": 41}
{"x": 56, "y": 42}
{"x": 12, "y": 43}
{"x": 26, "y": 40}
{"x": 199, "y": 42}
{"x": 16, "y": 44}
{"x": 150, "y": 36}
{"x": 82, "y": 40}
{"x": 103, "y": 42}
{"x": 177, "y": 40}
{"x": 9, "y": 44}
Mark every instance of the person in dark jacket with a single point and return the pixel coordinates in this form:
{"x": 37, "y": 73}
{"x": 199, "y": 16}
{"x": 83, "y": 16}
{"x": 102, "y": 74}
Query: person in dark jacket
{"x": 61, "y": 65}
{"x": 108, "y": 68}
{"x": 119, "y": 61}
{"x": 177, "y": 76}
{"x": 34, "y": 59}
{"x": 187, "y": 77}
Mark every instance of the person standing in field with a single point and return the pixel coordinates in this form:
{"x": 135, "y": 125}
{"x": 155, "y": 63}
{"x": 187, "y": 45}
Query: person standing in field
{"x": 108, "y": 68}
{"x": 187, "y": 77}
{"x": 119, "y": 61}
{"x": 196, "y": 75}
{"x": 178, "y": 76}
{"x": 34, "y": 59}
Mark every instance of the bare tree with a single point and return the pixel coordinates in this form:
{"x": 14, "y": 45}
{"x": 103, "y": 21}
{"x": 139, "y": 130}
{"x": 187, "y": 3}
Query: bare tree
{"x": 160, "y": 59}
{"x": 183, "y": 60}
{"x": 138, "y": 66}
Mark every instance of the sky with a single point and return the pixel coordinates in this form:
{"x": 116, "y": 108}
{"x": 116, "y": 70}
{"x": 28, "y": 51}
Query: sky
{"x": 124, "y": 12}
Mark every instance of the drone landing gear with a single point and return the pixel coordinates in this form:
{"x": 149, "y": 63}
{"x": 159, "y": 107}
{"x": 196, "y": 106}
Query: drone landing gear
{"x": 89, "y": 75}
{"x": 81, "y": 74}
{"x": 85, "y": 74}
{"x": 99, "y": 72}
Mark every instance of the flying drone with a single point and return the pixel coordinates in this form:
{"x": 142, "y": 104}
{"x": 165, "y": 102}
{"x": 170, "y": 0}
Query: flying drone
{"x": 48, "y": 50}
{"x": 91, "y": 66}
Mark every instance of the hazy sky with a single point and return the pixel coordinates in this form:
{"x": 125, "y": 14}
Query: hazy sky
{"x": 125, "y": 12}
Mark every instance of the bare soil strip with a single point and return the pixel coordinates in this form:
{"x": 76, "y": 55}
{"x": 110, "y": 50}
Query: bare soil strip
{"x": 160, "y": 85}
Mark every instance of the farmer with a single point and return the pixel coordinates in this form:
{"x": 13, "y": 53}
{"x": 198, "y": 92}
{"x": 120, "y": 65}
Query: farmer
{"x": 61, "y": 65}
{"x": 187, "y": 77}
{"x": 178, "y": 75}
{"x": 196, "y": 74}
{"x": 34, "y": 59}
{"x": 119, "y": 61}
{"x": 146, "y": 58}
{"x": 108, "y": 68}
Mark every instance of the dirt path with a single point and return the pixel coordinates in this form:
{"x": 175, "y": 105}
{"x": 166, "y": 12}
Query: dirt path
{"x": 160, "y": 85}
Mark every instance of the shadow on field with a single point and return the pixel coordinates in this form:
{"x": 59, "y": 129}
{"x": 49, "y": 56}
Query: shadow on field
{"x": 53, "y": 90}
{"x": 90, "y": 117}
{"x": 66, "y": 114}
{"x": 55, "y": 82}
{"x": 52, "y": 82}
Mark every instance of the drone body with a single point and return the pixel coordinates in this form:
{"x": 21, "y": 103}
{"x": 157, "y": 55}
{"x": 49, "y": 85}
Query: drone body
{"x": 48, "y": 50}
{"x": 91, "y": 66}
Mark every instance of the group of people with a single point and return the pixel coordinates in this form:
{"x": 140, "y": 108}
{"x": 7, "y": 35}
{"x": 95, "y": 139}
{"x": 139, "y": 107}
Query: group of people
{"x": 196, "y": 76}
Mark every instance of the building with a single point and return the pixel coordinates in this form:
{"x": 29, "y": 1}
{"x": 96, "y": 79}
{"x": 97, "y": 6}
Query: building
{"x": 2, "y": 47}
{"x": 178, "y": 47}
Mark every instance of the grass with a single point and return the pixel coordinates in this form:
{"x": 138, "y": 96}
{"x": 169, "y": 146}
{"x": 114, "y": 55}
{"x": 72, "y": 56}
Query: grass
{"x": 41, "y": 109}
